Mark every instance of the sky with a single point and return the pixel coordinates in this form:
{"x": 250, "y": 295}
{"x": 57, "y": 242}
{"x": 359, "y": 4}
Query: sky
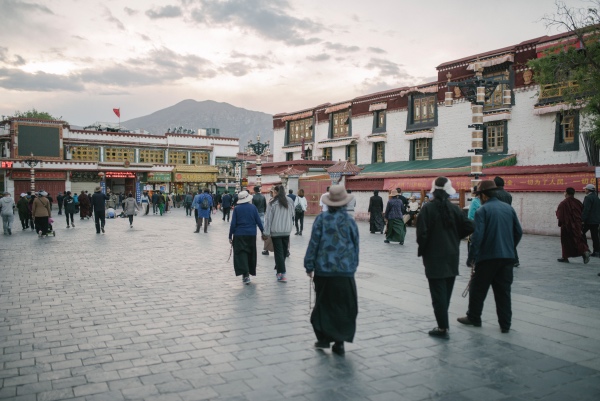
{"x": 79, "y": 59}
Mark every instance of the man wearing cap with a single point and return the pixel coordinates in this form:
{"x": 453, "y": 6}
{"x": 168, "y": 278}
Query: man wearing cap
{"x": 99, "y": 207}
{"x": 492, "y": 252}
{"x": 591, "y": 216}
{"x": 23, "y": 208}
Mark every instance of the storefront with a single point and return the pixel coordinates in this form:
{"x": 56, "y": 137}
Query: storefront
{"x": 121, "y": 182}
{"x": 52, "y": 182}
{"x": 157, "y": 182}
{"x": 84, "y": 181}
{"x": 193, "y": 178}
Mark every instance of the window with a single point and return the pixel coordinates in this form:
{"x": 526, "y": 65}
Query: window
{"x": 495, "y": 138}
{"x": 308, "y": 154}
{"x": 152, "y": 156}
{"x": 199, "y": 158}
{"x": 119, "y": 154}
{"x": 496, "y": 100}
{"x": 327, "y": 154}
{"x": 422, "y": 112}
{"x": 340, "y": 124}
{"x": 300, "y": 129}
{"x": 177, "y": 157}
{"x": 421, "y": 149}
{"x": 379, "y": 152}
{"x": 379, "y": 121}
{"x": 351, "y": 153}
{"x": 289, "y": 156}
{"x": 85, "y": 153}
{"x": 567, "y": 131}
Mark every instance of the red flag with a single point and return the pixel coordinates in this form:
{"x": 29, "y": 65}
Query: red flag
{"x": 117, "y": 112}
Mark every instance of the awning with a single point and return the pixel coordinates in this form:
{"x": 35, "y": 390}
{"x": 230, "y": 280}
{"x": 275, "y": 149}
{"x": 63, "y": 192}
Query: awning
{"x": 298, "y": 116}
{"x": 338, "y": 107}
{"x": 426, "y": 133}
{"x": 505, "y": 115}
{"x": 538, "y": 111}
{"x": 379, "y": 137}
{"x": 378, "y": 106}
{"x": 492, "y": 61}
{"x": 336, "y": 143}
{"x": 428, "y": 89}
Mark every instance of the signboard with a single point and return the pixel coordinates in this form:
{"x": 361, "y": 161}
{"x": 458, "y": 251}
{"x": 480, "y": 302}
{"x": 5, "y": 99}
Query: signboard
{"x": 159, "y": 177}
{"x": 138, "y": 192}
{"x": 6, "y": 165}
{"x": 120, "y": 174}
{"x": 195, "y": 177}
{"x": 514, "y": 182}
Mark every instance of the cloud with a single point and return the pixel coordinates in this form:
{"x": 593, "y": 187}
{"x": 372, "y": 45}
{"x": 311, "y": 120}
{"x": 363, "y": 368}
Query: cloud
{"x": 389, "y": 75}
{"x": 5, "y": 58}
{"x": 11, "y": 8}
{"x": 164, "y": 12}
{"x": 270, "y": 19}
{"x": 340, "y": 48}
{"x": 237, "y": 69}
{"x": 130, "y": 11}
{"x": 386, "y": 68}
{"x": 15, "y": 79}
{"x": 78, "y": 37}
{"x": 111, "y": 18}
{"x": 376, "y": 50}
{"x": 319, "y": 57}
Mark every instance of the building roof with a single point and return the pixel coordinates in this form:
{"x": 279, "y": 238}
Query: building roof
{"x": 344, "y": 167}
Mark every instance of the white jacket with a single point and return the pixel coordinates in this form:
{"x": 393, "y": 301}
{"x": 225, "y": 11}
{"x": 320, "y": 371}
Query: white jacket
{"x": 302, "y": 202}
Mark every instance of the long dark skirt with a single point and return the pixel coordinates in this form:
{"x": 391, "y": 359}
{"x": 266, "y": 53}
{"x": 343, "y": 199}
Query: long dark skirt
{"x": 336, "y": 308}
{"x": 244, "y": 254}
{"x": 376, "y": 222}
{"x": 396, "y": 230}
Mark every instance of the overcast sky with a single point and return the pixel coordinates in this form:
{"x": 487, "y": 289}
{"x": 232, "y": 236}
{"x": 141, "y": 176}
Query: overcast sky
{"x": 79, "y": 59}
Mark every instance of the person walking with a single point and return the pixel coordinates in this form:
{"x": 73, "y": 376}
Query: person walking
{"x": 160, "y": 202}
{"x": 569, "y": 220}
{"x": 30, "y": 199}
{"x": 260, "y": 202}
{"x": 376, "y": 222}
{"x": 145, "y": 201}
{"x": 98, "y": 203}
{"x": 331, "y": 260}
{"x": 505, "y": 197}
{"x": 440, "y": 228}
{"x": 300, "y": 207}
{"x": 226, "y": 201}
{"x": 492, "y": 252}
{"x": 130, "y": 207}
{"x": 7, "y": 210}
{"x": 187, "y": 203}
{"x": 23, "y": 208}
{"x": 59, "y": 199}
{"x": 242, "y": 236}
{"x": 278, "y": 226}
{"x": 154, "y": 201}
{"x": 69, "y": 204}
{"x": 202, "y": 203}
{"x": 84, "y": 206}
{"x": 591, "y": 217}
{"x": 351, "y": 205}
{"x": 396, "y": 230}
{"x": 41, "y": 213}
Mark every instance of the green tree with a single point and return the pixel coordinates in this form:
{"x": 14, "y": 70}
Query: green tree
{"x": 578, "y": 65}
{"x": 40, "y": 115}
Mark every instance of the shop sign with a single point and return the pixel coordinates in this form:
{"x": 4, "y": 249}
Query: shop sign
{"x": 120, "y": 174}
{"x": 39, "y": 175}
{"x": 7, "y": 165}
{"x": 159, "y": 177}
{"x": 195, "y": 177}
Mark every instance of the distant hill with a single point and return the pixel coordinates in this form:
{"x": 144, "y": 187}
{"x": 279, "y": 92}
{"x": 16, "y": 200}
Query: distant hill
{"x": 191, "y": 114}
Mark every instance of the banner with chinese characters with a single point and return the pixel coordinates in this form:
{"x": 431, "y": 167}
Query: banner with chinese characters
{"x": 159, "y": 177}
{"x": 515, "y": 182}
{"x": 120, "y": 174}
{"x": 195, "y": 177}
{"x": 39, "y": 175}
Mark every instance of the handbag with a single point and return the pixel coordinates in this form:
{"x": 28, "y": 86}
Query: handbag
{"x": 406, "y": 218}
{"x": 269, "y": 244}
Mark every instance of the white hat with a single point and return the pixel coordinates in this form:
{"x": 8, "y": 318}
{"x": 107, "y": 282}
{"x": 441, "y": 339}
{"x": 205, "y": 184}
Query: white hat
{"x": 43, "y": 193}
{"x": 444, "y": 184}
{"x": 244, "y": 197}
{"x": 23, "y": 194}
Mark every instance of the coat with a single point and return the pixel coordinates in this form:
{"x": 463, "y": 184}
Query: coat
{"x": 69, "y": 204}
{"x": 439, "y": 245}
{"x": 130, "y": 206}
{"x": 7, "y": 204}
{"x": 41, "y": 207}
{"x": 591, "y": 209}
{"x": 197, "y": 204}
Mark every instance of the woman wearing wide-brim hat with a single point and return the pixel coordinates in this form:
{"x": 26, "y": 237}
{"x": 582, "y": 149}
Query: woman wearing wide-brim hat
{"x": 396, "y": 229}
{"x": 332, "y": 259}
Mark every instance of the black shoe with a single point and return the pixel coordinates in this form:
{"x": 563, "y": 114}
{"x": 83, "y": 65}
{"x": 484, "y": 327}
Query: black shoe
{"x": 586, "y": 257}
{"x": 297, "y": 233}
{"x": 437, "y": 332}
{"x": 102, "y": 228}
{"x": 517, "y": 264}
{"x": 386, "y": 241}
{"x": 338, "y": 348}
{"x": 300, "y": 233}
{"x": 565, "y": 260}
{"x": 322, "y": 344}
{"x": 504, "y": 330}
{"x": 402, "y": 243}
{"x": 596, "y": 254}
{"x": 468, "y": 322}
{"x": 265, "y": 253}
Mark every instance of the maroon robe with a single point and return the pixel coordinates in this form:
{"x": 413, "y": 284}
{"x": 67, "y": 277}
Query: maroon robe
{"x": 85, "y": 206}
{"x": 570, "y": 223}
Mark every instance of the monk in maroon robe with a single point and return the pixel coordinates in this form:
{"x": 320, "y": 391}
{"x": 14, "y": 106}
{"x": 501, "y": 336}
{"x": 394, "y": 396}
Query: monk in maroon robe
{"x": 570, "y": 223}
{"x": 85, "y": 206}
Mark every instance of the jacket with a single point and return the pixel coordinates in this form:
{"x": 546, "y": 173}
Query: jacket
{"x": 301, "y": 200}
{"x": 69, "y": 204}
{"x": 497, "y": 232}
{"x": 98, "y": 200}
{"x": 278, "y": 219}
{"x": 591, "y": 209}
{"x": 155, "y": 198}
{"x": 260, "y": 202}
{"x": 7, "y": 205}
{"x": 226, "y": 201}
{"x": 130, "y": 206}
{"x": 23, "y": 205}
{"x": 393, "y": 209}
{"x": 333, "y": 247}
{"x": 439, "y": 245}
{"x": 244, "y": 220}
{"x": 189, "y": 199}
{"x": 41, "y": 207}
{"x": 204, "y": 213}
{"x": 503, "y": 196}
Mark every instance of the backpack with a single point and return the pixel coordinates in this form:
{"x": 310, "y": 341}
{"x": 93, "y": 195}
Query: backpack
{"x": 298, "y": 208}
{"x": 204, "y": 205}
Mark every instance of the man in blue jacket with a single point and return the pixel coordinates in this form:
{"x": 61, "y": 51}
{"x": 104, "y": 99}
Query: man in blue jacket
{"x": 492, "y": 252}
{"x": 203, "y": 203}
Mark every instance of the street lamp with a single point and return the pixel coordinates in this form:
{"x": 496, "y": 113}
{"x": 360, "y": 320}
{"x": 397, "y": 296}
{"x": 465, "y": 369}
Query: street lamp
{"x": 477, "y": 90}
{"x": 32, "y": 162}
{"x": 258, "y": 149}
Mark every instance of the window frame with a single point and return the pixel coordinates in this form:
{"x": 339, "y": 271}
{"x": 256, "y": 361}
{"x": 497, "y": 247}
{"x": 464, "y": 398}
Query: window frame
{"x": 374, "y": 152}
{"x": 289, "y": 156}
{"x": 411, "y": 124}
{"x": 327, "y": 153}
{"x": 348, "y": 153}
{"x": 348, "y": 120}
{"x": 377, "y": 128}
{"x": 504, "y": 125}
{"x": 413, "y": 150}
{"x": 559, "y": 144}
{"x": 290, "y": 124}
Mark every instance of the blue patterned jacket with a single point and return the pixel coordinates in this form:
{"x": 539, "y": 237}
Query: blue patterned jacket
{"x": 333, "y": 247}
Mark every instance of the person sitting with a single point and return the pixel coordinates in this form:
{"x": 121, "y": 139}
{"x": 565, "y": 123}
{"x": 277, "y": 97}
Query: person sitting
{"x": 413, "y": 209}
{"x": 110, "y": 213}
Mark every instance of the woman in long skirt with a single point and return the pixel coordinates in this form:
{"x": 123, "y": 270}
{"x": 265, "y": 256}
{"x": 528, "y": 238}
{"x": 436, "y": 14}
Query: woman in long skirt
{"x": 376, "y": 213}
{"x": 242, "y": 236}
{"x": 396, "y": 230}
{"x": 331, "y": 260}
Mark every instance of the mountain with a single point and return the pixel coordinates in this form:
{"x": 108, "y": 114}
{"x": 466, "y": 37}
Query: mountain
{"x": 191, "y": 114}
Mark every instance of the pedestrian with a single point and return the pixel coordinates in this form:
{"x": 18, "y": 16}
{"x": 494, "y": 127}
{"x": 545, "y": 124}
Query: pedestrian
{"x": 50, "y": 200}
{"x": 569, "y": 220}
{"x": 351, "y": 205}
{"x": 59, "y": 199}
{"x": 145, "y": 201}
{"x": 591, "y": 217}
{"x": 396, "y": 230}
{"x": 505, "y": 197}
{"x": 202, "y": 203}
{"x": 226, "y": 201}
{"x": 112, "y": 201}
{"x": 412, "y": 209}
{"x": 375, "y": 210}
{"x": 98, "y": 203}
{"x": 23, "y": 208}
{"x": 7, "y": 210}
{"x": 154, "y": 201}
{"x": 300, "y": 207}
{"x": 30, "y": 199}
{"x": 291, "y": 195}
{"x": 84, "y": 206}
{"x": 187, "y": 203}
{"x": 242, "y": 236}
{"x": 440, "y": 228}
{"x": 260, "y": 202}
{"x": 160, "y": 201}
{"x": 331, "y": 261}
{"x": 475, "y": 204}
{"x": 69, "y": 205}
{"x": 492, "y": 253}
{"x": 403, "y": 199}
{"x": 41, "y": 213}
{"x": 278, "y": 226}
{"x": 268, "y": 243}
{"x": 130, "y": 207}
{"x": 178, "y": 200}
{"x": 323, "y": 205}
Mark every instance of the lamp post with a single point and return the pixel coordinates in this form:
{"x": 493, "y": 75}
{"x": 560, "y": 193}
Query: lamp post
{"x": 477, "y": 90}
{"x": 32, "y": 162}
{"x": 258, "y": 149}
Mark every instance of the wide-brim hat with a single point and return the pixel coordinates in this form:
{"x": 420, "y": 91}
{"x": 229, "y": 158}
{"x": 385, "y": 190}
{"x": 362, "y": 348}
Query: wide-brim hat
{"x": 244, "y": 197}
{"x": 394, "y": 193}
{"x": 487, "y": 185}
{"x": 446, "y": 188}
{"x": 98, "y": 189}
{"x": 337, "y": 196}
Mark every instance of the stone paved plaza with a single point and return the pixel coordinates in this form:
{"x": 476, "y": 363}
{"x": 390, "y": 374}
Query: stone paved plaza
{"x": 156, "y": 313}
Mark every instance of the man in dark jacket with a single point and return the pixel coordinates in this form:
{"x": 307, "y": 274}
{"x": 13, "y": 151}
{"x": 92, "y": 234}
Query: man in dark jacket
{"x": 260, "y": 202}
{"x": 505, "y": 197}
{"x": 99, "y": 207}
{"x": 60, "y": 199}
{"x": 492, "y": 252}
{"x": 591, "y": 216}
{"x": 403, "y": 199}
{"x": 187, "y": 202}
{"x": 226, "y": 200}
{"x": 155, "y": 196}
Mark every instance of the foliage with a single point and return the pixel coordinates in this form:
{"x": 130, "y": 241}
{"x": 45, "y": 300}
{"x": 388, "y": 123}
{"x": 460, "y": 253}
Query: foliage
{"x": 579, "y": 66}
{"x": 39, "y": 115}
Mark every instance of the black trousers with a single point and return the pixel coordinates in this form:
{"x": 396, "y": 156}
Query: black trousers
{"x": 41, "y": 224}
{"x": 60, "y": 208}
{"x": 300, "y": 218}
{"x": 188, "y": 209}
{"x": 280, "y": 247}
{"x": 226, "y": 211}
{"x": 499, "y": 274}
{"x": 100, "y": 219}
{"x": 130, "y": 219}
{"x": 244, "y": 255}
{"x": 593, "y": 229}
{"x": 69, "y": 216}
{"x": 441, "y": 292}
{"x": 146, "y": 208}
{"x": 154, "y": 207}
{"x": 24, "y": 217}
